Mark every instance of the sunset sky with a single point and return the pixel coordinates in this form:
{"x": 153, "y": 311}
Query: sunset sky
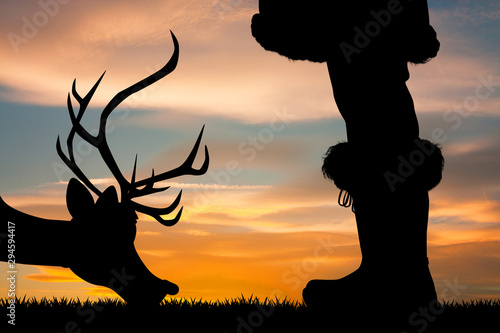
{"x": 251, "y": 225}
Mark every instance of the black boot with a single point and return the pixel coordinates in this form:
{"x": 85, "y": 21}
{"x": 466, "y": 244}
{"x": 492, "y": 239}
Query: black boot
{"x": 391, "y": 209}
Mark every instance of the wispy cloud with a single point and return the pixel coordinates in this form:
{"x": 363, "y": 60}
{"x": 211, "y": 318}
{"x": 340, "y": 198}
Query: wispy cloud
{"x": 220, "y": 62}
{"x": 481, "y": 12}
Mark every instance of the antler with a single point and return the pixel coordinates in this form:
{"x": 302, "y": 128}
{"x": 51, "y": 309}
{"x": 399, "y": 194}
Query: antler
{"x": 129, "y": 190}
{"x": 185, "y": 168}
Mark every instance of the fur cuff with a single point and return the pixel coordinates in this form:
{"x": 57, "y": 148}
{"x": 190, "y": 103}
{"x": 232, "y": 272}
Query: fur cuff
{"x": 420, "y": 165}
{"x": 338, "y": 166}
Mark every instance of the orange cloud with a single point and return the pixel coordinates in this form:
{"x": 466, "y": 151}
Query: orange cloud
{"x": 99, "y": 292}
{"x": 53, "y": 275}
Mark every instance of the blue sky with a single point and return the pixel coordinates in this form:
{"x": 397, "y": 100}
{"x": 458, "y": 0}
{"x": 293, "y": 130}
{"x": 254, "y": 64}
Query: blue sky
{"x": 268, "y": 117}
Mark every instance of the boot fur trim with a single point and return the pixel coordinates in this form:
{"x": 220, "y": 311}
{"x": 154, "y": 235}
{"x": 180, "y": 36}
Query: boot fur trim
{"x": 419, "y": 165}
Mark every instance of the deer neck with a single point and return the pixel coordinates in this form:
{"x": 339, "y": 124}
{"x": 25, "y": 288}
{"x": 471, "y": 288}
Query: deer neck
{"x": 38, "y": 241}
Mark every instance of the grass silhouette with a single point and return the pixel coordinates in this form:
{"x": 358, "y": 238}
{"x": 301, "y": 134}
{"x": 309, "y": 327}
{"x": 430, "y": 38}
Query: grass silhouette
{"x": 240, "y": 315}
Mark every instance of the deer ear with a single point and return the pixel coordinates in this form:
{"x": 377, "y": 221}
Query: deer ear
{"x": 78, "y": 199}
{"x": 108, "y": 198}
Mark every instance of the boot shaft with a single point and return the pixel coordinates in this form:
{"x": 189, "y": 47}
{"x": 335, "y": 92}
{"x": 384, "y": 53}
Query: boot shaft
{"x": 392, "y": 227}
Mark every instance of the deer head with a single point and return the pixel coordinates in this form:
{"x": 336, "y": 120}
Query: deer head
{"x": 108, "y": 226}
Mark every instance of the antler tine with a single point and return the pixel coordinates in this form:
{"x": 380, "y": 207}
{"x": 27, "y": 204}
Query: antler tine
{"x": 122, "y": 95}
{"x": 84, "y": 102}
{"x": 158, "y": 212}
{"x": 185, "y": 169}
{"x": 70, "y": 161}
{"x": 148, "y": 189}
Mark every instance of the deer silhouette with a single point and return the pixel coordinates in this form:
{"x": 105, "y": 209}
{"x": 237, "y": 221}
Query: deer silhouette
{"x": 98, "y": 243}
{"x": 384, "y": 170}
